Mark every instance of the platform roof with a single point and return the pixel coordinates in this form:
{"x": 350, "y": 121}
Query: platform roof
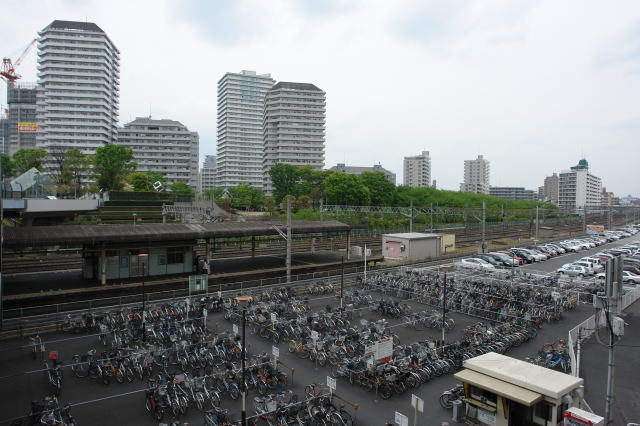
{"x": 156, "y": 232}
{"x": 535, "y": 378}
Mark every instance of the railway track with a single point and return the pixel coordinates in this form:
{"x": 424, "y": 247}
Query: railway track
{"x": 465, "y": 237}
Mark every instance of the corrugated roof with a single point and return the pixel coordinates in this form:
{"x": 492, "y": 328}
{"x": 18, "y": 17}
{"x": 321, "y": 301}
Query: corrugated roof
{"x": 75, "y": 25}
{"x": 295, "y": 86}
{"x": 149, "y": 233}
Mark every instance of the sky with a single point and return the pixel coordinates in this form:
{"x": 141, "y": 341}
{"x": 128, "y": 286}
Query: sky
{"x": 532, "y": 85}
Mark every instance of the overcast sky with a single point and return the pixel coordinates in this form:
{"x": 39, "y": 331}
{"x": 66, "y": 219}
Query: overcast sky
{"x": 531, "y": 85}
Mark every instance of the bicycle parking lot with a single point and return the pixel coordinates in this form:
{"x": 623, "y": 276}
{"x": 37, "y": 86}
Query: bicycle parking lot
{"x": 96, "y": 403}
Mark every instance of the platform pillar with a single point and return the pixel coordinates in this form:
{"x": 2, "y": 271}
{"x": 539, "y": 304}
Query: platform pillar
{"x": 103, "y": 266}
{"x": 253, "y": 246}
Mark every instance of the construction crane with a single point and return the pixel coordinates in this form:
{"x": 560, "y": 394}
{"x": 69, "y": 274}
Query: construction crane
{"x": 8, "y": 71}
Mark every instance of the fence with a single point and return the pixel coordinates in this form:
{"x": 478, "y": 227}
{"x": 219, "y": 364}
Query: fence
{"x": 587, "y": 327}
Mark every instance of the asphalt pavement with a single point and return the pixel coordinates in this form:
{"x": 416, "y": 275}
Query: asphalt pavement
{"x": 97, "y": 404}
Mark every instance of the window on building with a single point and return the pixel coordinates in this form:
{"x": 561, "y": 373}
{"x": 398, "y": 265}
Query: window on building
{"x": 483, "y": 396}
{"x": 175, "y": 255}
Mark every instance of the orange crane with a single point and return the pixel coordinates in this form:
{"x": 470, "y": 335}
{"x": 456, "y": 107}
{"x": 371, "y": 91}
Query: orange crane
{"x": 8, "y": 70}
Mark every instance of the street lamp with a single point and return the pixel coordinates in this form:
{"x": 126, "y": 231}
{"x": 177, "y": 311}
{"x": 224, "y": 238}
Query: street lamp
{"x": 244, "y": 301}
{"x": 144, "y": 330}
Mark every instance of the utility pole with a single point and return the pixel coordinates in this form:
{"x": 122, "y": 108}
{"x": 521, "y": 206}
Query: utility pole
{"x": 444, "y": 305}
{"x": 484, "y": 216}
{"x": 609, "y": 216}
{"x": 411, "y": 216}
{"x": 584, "y": 219}
{"x": 321, "y": 205}
{"x": 288, "y": 261}
{"x": 537, "y": 216}
{"x": 342, "y": 286}
{"x": 365, "y": 263}
{"x": 431, "y": 217}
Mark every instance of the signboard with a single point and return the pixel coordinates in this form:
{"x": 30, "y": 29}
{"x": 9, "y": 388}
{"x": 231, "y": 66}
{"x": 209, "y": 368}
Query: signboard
{"x": 384, "y": 349}
{"x": 370, "y": 349}
{"x": 486, "y": 417}
{"x": 274, "y": 317}
{"x": 595, "y": 229}
{"x": 331, "y": 382}
{"x": 401, "y": 419}
{"x": 577, "y": 417}
{"x": 417, "y": 403}
{"x": 275, "y": 351}
{"x": 24, "y": 127}
{"x": 198, "y": 283}
{"x": 235, "y": 328}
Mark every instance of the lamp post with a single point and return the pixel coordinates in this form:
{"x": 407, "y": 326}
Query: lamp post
{"x": 243, "y": 301}
{"x": 144, "y": 329}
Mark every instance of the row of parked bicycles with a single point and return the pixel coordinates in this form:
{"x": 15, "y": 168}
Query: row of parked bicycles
{"x": 553, "y": 355}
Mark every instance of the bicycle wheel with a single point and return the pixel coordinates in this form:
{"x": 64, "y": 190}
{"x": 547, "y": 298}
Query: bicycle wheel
{"x": 80, "y": 369}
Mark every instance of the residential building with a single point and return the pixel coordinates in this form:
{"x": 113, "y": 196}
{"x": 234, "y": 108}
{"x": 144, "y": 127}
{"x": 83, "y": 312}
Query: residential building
{"x": 240, "y": 133}
{"x": 293, "y": 128}
{"x": 356, "y": 170}
{"x": 4, "y": 135}
{"x": 78, "y": 87}
{"x": 513, "y": 193}
{"x": 209, "y": 162}
{"x": 549, "y": 192}
{"x": 578, "y": 188}
{"x": 21, "y": 102}
{"x": 208, "y": 173}
{"x": 476, "y": 176}
{"x": 164, "y": 146}
{"x": 608, "y": 198}
{"x": 417, "y": 170}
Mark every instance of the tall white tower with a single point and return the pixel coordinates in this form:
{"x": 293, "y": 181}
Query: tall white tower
{"x": 78, "y": 87}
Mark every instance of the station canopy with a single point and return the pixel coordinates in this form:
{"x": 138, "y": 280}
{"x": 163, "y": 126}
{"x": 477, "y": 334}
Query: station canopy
{"x": 94, "y": 235}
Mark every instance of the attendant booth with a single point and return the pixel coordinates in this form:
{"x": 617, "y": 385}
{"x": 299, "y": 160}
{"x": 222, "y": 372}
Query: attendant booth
{"x": 504, "y": 391}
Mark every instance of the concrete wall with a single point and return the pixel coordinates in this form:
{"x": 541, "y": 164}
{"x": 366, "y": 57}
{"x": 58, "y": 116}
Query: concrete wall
{"x": 447, "y": 243}
{"x": 46, "y": 205}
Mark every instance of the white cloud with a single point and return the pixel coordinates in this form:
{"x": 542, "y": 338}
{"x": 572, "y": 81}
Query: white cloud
{"x": 531, "y": 85}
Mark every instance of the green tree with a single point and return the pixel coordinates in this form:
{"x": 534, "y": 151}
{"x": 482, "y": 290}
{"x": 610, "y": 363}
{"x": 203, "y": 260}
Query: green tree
{"x": 247, "y": 197}
{"x": 141, "y": 182}
{"x": 382, "y": 191}
{"x": 213, "y": 194}
{"x": 7, "y": 166}
{"x": 182, "y": 189}
{"x": 284, "y": 178}
{"x": 344, "y": 189}
{"x": 111, "y": 166}
{"x": 76, "y": 167}
{"x": 25, "y": 159}
{"x": 270, "y": 205}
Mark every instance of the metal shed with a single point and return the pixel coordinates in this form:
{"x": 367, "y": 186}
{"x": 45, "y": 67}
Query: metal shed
{"x": 411, "y": 246}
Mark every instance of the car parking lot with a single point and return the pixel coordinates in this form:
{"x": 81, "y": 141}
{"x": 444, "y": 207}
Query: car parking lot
{"x": 95, "y": 403}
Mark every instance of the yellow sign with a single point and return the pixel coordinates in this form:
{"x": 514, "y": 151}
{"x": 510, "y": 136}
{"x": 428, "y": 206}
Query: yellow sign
{"x": 27, "y": 127}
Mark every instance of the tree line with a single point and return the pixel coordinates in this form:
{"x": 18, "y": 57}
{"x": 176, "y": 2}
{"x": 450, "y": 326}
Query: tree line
{"x": 307, "y": 187}
{"x": 112, "y": 167}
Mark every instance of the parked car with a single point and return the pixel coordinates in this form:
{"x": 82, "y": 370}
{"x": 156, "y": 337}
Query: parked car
{"x": 627, "y": 277}
{"x": 490, "y": 259}
{"x": 523, "y": 254}
{"x": 587, "y": 265}
{"x": 506, "y": 259}
{"x": 474, "y": 263}
{"x": 573, "y": 270}
{"x": 513, "y": 256}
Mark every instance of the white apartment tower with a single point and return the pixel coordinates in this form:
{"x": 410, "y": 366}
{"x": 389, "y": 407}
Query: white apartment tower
{"x": 163, "y": 146}
{"x": 78, "y": 87}
{"x": 294, "y": 127}
{"x": 208, "y": 173}
{"x": 476, "y": 176}
{"x": 417, "y": 170}
{"x": 240, "y": 118}
{"x": 578, "y": 188}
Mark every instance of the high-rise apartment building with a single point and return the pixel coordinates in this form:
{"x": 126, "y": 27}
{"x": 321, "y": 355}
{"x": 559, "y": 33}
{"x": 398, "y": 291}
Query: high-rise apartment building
{"x": 78, "y": 87}
{"x": 4, "y": 135}
{"x": 417, "y": 170}
{"x": 240, "y": 136}
{"x": 21, "y": 101}
{"x": 293, "y": 128}
{"x": 476, "y": 176}
{"x": 578, "y": 188}
{"x": 208, "y": 173}
{"x": 549, "y": 192}
{"x": 163, "y": 146}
